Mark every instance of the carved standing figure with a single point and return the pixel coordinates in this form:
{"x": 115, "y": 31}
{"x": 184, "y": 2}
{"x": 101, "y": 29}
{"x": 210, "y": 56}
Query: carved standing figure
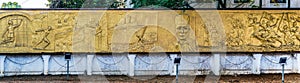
{"x": 45, "y": 37}
{"x": 252, "y": 20}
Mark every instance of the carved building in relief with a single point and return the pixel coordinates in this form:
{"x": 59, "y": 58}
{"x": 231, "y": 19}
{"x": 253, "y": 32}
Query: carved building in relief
{"x": 148, "y": 31}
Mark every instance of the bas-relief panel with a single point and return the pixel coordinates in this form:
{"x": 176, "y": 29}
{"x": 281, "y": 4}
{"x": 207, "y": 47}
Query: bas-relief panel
{"x": 148, "y": 31}
{"x": 262, "y": 31}
{"x": 36, "y": 31}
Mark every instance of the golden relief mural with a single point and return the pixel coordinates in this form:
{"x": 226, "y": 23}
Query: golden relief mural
{"x": 105, "y": 31}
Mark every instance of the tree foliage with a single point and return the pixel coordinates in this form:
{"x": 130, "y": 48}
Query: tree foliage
{"x": 11, "y": 5}
{"x": 160, "y": 3}
{"x": 84, "y": 3}
{"x": 118, "y": 3}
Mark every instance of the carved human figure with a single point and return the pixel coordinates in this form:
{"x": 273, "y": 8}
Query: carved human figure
{"x": 99, "y": 35}
{"x": 182, "y": 32}
{"x": 285, "y": 30}
{"x": 294, "y": 27}
{"x": 271, "y": 18}
{"x": 267, "y": 35}
{"x": 269, "y": 21}
{"x": 236, "y": 35}
{"x": 293, "y": 33}
{"x": 252, "y": 20}
{"x": 184, "y": 42}
{"x": 63, "y": 21}
{"x": 45, "y": 37}
{"x": 146, "y": 40}
{"x": 206, "y": 36}
{"x": 271, "y": 29}
{"x": 9, "y": 34}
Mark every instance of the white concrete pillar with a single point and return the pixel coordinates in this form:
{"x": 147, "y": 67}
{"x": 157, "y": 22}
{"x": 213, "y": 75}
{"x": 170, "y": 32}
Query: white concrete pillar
{"x": 89, "y": 63}
{"x": 294, "y": 63}
{"x": 172, "y": 69}
{"x": 215, "y": 64}
{"x": 131, "y": 64}
{"x": 2, "y": 59}
{"x": 256, "y": 64}
{"x": 46, "y": 63}
{"x": 297, "y": 55}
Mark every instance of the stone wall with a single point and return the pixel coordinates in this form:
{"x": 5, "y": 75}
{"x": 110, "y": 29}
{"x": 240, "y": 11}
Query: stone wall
{"x": 147, "y": 64}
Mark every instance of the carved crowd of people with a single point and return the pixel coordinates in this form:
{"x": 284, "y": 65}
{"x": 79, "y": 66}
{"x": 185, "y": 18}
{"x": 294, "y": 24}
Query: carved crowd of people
{"x": 275, "y": 30}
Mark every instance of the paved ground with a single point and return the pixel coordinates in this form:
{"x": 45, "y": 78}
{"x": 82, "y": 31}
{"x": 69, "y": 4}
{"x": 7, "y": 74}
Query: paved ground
{"x": 270, "y": 78}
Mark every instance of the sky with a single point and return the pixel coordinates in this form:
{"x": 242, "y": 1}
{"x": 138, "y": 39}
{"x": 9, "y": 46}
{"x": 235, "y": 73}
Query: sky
{"x": 28, "y": 3}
